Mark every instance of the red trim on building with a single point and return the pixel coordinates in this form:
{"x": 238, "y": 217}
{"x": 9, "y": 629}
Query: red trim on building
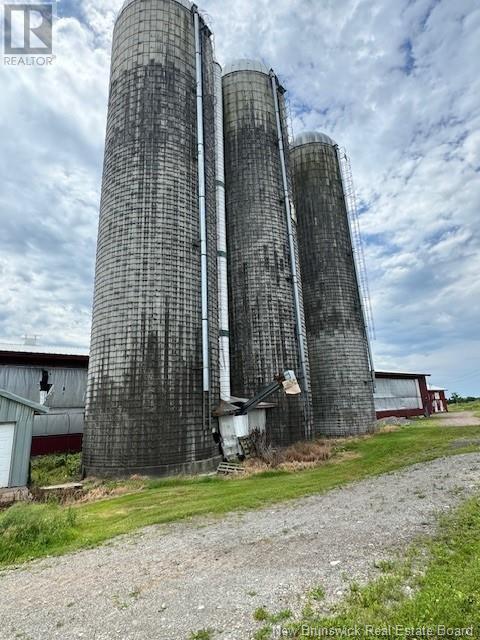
{"x": 63, "y": 443}
{"x": 427, "y": 405}
{"x": 43, "y": 359}
{"x": 442, "y": 400}
{"x": 400, "y": 374}
{"x": 403, "y": 413}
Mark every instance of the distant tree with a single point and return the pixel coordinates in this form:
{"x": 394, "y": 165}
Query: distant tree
{"x": 457, "y": 398}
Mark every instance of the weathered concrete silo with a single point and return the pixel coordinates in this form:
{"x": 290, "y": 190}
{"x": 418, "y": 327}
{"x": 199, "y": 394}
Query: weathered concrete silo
{"x": 153, "y": 376}
{"x": 267, "y": 332}
{"x": 342, "y": 387}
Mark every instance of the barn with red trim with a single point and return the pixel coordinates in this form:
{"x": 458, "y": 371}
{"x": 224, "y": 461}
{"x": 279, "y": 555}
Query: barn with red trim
{"x": 401, "y": 395}
{"x": 438, "y": 399}
{"x": 55, "y": 377}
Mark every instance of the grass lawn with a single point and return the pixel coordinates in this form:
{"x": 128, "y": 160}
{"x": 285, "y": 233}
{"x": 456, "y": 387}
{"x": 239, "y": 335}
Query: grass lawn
{"x": 466, "y": 406}
{"x": 55, "y": 469}
{"x": 175, "y": 499}
{"x": 436, "y": 585}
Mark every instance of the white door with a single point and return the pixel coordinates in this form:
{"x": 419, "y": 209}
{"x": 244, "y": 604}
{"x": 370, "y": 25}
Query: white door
{"x": 6, "y": 449}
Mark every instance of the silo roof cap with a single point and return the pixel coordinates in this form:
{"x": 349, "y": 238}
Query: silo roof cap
{"x": 245, "y": 64}
{"x": 313, "y": 136}
{"x": 184, "y": 3}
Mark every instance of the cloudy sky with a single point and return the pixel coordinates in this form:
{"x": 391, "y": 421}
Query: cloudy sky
{"x": 396, "y": 83}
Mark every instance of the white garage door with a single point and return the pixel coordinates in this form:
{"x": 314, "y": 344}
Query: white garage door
{"x": 6, "y": 449}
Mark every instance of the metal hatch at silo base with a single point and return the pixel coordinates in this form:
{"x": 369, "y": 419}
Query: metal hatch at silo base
{"x": 267, "y": 326}
{"x": 340, "y": 368}
{"x": 150, "y": 387}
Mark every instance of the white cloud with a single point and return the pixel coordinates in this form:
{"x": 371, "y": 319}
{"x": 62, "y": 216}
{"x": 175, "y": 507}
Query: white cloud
{"x": 394, "y": 82}
{"x": 50, "y": 160}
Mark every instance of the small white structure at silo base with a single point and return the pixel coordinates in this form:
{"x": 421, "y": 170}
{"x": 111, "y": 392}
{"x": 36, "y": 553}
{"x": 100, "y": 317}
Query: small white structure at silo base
{"x": 239, "y": 418}
{"x": 16, "y": 428}
{"x": 233, "y": 427}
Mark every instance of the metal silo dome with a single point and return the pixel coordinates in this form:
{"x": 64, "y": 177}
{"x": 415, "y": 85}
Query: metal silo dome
{"x": 245, "y": 64}
{"x": 312, "y": 136}
{"x": 185, "y": 3}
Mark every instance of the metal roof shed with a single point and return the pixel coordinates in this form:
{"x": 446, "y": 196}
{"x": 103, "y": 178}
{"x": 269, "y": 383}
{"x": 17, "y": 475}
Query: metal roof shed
{"x": 16, "y": 427}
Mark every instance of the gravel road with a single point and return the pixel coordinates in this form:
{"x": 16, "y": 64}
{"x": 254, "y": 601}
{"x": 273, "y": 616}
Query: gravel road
{"x": 167, "y": 581}
{"x": 458, "y": 419}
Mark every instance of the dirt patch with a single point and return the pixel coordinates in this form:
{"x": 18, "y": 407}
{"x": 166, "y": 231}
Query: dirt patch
{"x": 92, "y": 491}
{"x": 343, "y": 456}
{"x": 317, "y": 451}
{"x": 298, "y": 457}
{"x": 464, "y": 442}
{"x": 460, "y": 419}
{"x": 389, "y": 428}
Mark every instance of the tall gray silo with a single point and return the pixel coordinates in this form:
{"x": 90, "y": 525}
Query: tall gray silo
{"x": 153, "y": 375}
{"x": 267, "y": 326}
{"x": 340, "y": 360}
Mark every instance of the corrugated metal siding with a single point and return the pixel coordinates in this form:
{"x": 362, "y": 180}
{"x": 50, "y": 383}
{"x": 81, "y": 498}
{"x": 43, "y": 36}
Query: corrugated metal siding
{"x": 69, "y": 388}
{"x": 396, "y": 394}
{"x": 66, "y": 401}
{"x": 69, "y": 384}
{"x": 11, "y": 411}
{"x": 23, "y": 381}
{"x": 58, "y": 423}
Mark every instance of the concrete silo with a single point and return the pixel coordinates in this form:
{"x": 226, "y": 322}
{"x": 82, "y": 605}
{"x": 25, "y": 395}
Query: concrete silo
{"x": 340, "y": 359}
{"x": 153, "y": 376}
{"x": 267, "y": 332}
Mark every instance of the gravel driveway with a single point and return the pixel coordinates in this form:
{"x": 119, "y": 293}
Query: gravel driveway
{"x": 458, "y": 419}
{"x": 167, "y": 581}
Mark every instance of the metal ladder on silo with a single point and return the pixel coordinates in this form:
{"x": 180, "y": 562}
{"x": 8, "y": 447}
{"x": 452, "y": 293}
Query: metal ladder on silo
{"x": 357, "y": 240}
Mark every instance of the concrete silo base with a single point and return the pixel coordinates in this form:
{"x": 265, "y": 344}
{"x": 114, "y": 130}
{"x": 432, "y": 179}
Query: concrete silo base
{"x": 185, "y": 469}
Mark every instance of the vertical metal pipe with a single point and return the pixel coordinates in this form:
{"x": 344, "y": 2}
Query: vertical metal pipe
{"x": 293, "y": 261}
{"x": 224, "y": 336}
{"x": 357, "y": 275}
{"x": 202, "y": 202}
